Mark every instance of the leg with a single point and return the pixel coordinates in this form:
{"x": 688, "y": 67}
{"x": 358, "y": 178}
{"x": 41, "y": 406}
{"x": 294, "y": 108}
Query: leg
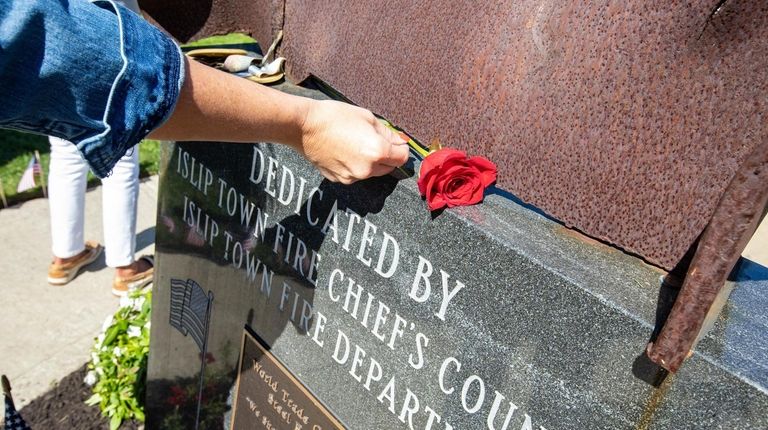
{"x": 120, "y": 194}
{"x": 67, "y": 177}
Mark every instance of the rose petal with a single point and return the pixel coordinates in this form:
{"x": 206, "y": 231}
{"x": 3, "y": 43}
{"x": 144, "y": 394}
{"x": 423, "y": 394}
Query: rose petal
{"x": 488, "y": 178}
{"x": 454, "y": 195}
{"x": 437, "y": 203}
{"x": 469, "y": 194}
{"x": 432, "y": 186}
{"x": 437, "y": 158}
{"x": 454, "y": 184}
{"x": 486, "y": 168}
{"x": 447, "y": 175}
{"x": 452, "y": 162}
{"x": 461, "y": 190}
{"x": 435, "y": 199}
{"x": 477, "y": 195}
{"x": 424, "y": 178}
{"x": 457, "y": 170}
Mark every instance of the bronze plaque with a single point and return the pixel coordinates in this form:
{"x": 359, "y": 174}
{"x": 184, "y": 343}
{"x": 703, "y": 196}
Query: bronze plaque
{"x": 269, "y": 396}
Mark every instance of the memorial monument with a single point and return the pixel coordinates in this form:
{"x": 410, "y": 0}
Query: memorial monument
{"x": 286, "y": 301}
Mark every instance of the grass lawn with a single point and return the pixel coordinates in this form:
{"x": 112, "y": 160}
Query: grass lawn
{"x": 17, "y": 148}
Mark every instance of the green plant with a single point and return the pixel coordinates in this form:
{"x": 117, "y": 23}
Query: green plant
{"x": 118, "y": 367}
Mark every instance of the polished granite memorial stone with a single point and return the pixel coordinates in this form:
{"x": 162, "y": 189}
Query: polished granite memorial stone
{"x": 305, "y": 303}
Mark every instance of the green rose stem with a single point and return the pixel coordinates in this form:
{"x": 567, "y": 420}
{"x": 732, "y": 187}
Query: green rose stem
{"x": 412, "y": 143}
{"x": 416, "y": 147}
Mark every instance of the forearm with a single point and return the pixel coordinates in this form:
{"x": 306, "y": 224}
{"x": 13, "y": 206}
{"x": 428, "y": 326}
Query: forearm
{"x": 123, "y": 79}
{"x": 216, "y": 106}
{"x": 345, "y": 142}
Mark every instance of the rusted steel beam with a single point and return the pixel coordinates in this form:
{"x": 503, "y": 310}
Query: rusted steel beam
{"x": 624, "y": 120}
{"x": 720, "y": 246}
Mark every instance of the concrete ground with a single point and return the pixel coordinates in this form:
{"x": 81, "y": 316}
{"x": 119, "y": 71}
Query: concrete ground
{"x": 46, "y": 332}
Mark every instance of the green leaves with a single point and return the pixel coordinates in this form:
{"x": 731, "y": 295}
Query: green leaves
{"x": 119, "y": 360}
{"x": 115, "y": 422}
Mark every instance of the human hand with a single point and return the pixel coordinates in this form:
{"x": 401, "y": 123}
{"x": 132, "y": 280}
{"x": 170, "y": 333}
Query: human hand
{"x": 347, "y": 143}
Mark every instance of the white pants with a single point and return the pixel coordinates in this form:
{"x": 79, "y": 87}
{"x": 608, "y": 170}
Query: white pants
{"x": 67, "y": 180}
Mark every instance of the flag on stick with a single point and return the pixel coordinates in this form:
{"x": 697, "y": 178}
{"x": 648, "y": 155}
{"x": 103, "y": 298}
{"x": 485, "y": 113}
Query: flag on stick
{"x": 191, "y": 314}
{"x": 13, "y": 420}
{"x": 189, "y": 310}
{"x": 28, "y": 177}
{"x": 2, "y": 194}
{"x": 39, "y": 171}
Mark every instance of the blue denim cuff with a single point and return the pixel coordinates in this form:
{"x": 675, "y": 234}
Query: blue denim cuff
{"x": 143, "y": 94}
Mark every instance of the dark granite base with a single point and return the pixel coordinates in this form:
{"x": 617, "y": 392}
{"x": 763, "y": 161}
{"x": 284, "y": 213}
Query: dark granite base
{"x": 545, "y": 327}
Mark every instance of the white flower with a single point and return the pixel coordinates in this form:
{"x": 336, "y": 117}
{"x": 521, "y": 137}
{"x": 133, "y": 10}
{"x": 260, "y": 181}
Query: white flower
{"x": 91, "y": 378}
{"x": 134, "y": 331}
{"x": 99, "y": 340}
{"x": 138, "y": 303}
{"x": 148, "y": 325}
{"x": 107, "y": 323}
{"x": 125, "y": 301}
{"x": 116, "y": 352}
{"x": 95, "y": 358}
{"x": 100, "y": 371}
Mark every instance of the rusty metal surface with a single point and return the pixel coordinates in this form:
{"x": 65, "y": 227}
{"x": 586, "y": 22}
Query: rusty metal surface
{"x": 721, "y": 244}
{"x": 191, "y": 20}
{"x": 626, "y": 120}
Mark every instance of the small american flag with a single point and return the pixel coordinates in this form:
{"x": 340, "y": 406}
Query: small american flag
{"x": 13, "y": 420}
{"x": 191, "y": 315}
{"x": 28, "y": 178}
{"x": 190, "y": 310}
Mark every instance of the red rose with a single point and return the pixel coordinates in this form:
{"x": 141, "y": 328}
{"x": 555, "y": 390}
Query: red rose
{"x": 449, "y": 178}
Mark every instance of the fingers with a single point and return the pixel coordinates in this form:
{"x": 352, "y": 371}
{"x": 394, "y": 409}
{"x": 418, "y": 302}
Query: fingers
{"x": 398, "y": 155}
{"x": 382, "y": 169}
{"x": 349, "y": 176}
{"x": 348, "y": 143}
{"x": 397, "y": 150}
{"x": 385, "y": 152}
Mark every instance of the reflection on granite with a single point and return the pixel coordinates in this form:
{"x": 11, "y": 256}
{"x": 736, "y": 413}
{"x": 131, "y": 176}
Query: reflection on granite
{"x": 738, "y": 340}
{"x": 523, "y": 325}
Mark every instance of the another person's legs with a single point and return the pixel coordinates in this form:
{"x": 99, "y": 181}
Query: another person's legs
{"x": 67, "y": 177}
{"x": 120, "y": 194}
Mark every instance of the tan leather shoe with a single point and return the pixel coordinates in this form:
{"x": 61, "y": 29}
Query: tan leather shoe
{"x": 62, "y": 274}
{"x": 121, "y": 286}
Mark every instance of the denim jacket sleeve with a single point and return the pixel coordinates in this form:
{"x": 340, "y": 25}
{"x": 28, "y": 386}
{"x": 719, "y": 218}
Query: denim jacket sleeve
{"x": 93, "y": 73}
